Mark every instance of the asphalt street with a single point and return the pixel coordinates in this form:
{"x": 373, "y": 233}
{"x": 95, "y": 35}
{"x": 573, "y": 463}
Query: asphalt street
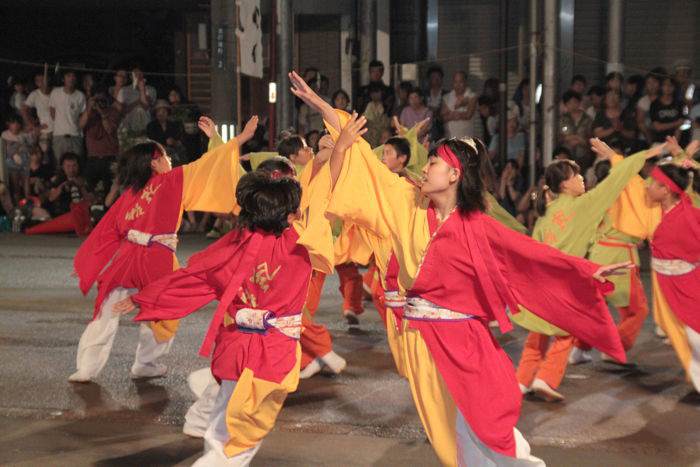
{"x": 638, "y": 415}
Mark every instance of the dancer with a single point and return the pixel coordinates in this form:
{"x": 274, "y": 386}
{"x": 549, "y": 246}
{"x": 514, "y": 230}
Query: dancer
{"x": 675, "y": 262}
{"x": 460, "y": 269}
{"x": 260, "y": 273}
{"x": 135, "y": 243}
{"x": 569, "y": 218}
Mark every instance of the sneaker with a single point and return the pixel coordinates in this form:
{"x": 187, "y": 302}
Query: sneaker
{"x": 193, "y": 431}
{"x": 545, "y": 391}
{"x": 524, "y": 389}
{"x": 213, "y": 233}
{"x": 659, "y": 332}
{"x": 351, "y": 317}
{"x": 578, "y": 356}
{"x": 154, "y": 371}
{"x": 311, "y": 369}
{"x": 335, "y": 362}
{"x": 79, "y": 377}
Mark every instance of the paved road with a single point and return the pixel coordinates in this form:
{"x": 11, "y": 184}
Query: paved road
{"x": 612, "y": 415}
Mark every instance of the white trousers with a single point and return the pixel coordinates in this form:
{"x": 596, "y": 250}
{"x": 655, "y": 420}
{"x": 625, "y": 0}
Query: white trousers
{"x": 694, "y": 368}
{"x": 96, "y": 342}
{"x": 472, "y": 452}
{"x": 217, "y": 435}
{"x": 205, "y": 388}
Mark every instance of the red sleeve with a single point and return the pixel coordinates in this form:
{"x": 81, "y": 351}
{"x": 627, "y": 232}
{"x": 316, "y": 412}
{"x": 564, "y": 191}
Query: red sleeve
{"x": 557, "y": 287}
{"x": 98, "y": 249}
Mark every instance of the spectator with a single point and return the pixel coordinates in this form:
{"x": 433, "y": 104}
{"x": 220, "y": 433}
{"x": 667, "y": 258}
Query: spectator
{"x": 651, "y": 93}
{"x": 511, "y": 186}
{"x": 458, "y": 107}
{"x": 120, "y": 81}
{"x": 633, "y": 91}
{"x": 415, "y": 111}
{"x": 396, "y": 154}
{"x": 341, "y": 100}
{"x": 38, "y": 100}
{"x": 575, "y": 126}
{"x": 682, "y": 72}
{"x": 376, "y": 72}
{"x": 15, "y": 147}
{"x": 312, "y": 139}
{"x": 88, "y": 85}
{"x": 578, "y": 84}
{"x": 491, "y": 90}
{"x": 596, "y": 95}
{"x": 167, "y": 132}
{"x": 67, "y": 186}
{"x": 135, "y": 103}
{"x": 405, "y": 87}
{"x": 515, "y": 139}
{"x": 435, "y": 91}
{"x": 614, "y": 80}
{"x": 666, "y": 112}
{"x": 378, "y": 122}
{"x": 487, "y": 121}
{"x": 562, "y": 153}
{"x": 630, "y": 143}
{"x": 187, "y": 114}
{"x": 99, "y": 122}
{"x": 39, "y": 174}
{"x": 521, "y": 97}
{"x": 608, "y": 122}
{"x": 18, "y": 96}
{"x": 66, "y": 104}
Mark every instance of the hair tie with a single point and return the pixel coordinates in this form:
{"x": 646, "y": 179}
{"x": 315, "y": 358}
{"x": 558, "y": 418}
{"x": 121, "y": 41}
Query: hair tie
{"x": 276, "y": 174}
{"x": 545, "y": 187}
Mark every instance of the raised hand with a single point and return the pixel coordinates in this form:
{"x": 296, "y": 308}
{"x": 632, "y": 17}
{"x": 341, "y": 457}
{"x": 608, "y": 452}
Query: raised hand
{"x": 612, "y": 270}
{"x": 672, "y": 145}
{"x": 248, "y": 130}
{"x": 351, "y": 132}
{"x": 422, "y": 125}
{"x": 207, "y": 126}
{"x": 326, "y": 142}
{"x": 303, "y": 91}
{"x": 656, "y": 150}
{"x": 123, "y": 307}
{"x": 601, "y": 149}
{"x": 400, "y": 129}
{"x": 692, "y": 148}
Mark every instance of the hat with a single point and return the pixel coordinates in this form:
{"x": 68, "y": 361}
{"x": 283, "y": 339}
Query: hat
{"x": 162, "y": 104}
{"x": 681, "y": 65}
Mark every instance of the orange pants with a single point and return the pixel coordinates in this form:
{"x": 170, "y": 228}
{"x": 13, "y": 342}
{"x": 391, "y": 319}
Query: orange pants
{"x": 350, "y": 287}
{"x": 315, "y": 339}
{"x": 368, "y": 277}
{"x": 544, "y": 361}
{"x": 631, "y": 317}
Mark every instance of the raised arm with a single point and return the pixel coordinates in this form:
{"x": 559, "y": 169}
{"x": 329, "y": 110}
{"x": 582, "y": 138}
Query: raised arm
{"x": 305, "y": 93}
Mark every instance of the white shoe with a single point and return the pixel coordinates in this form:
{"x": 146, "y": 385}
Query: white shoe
{"x": 153, "y": 371}
{"x": 351, "y": 317}
{"x": 545, "y": 391}
{"x": 213, "y": 233}
{"x": 311, "y": 369}
{"x": 659, "y": 331}
{"x": 79, "y": 377}
{"x": 578, "y": 356}
{"x": 193, "y": 432}
{"x": 198, "y": 381}
{"x": 334, "y": 361}
{"x": 524, "y": 389}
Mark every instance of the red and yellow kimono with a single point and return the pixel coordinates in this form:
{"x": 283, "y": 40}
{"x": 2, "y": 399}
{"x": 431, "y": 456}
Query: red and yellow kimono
{"x": 459, "y": 277}
{"x": 675, "y": 263}
{"x": 249, "y": 271}
{"x": 110, "y": 258}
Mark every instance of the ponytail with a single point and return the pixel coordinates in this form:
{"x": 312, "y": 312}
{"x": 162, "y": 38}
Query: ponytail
{"x": 556, "y": 173}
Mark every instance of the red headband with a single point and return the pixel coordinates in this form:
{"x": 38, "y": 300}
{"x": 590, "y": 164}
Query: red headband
{"x": 659, "y": 175}
{"x": 156, "y": 154}
{"x": 445, "y": 153}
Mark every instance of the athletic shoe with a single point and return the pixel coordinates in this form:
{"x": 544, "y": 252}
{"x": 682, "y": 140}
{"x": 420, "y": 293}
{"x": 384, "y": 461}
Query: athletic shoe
{"x": 79, "y": 377}
{"x": 524, "y": 389}
{"x": 351, "y": 317}
{"x": 154, "y": 371}
{"x": 578, "y": 356}
{"x": 193, "y": 432}
{"x": 659, "y": 332}
{"x": 335, "y": 362}
{"x": 311, "y": 369}
{"x": 545, "y": 391}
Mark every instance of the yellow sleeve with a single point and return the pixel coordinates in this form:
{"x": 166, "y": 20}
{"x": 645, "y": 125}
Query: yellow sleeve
{"x": 632, "y": 213}
{"x": 367, "y": 193}
{"x": 419, "y": 155}
{"x": 351, "y": 246}
{"x": 210, "y": 182}
{"x": 257, "y": 158}
{"x": 215, "y": 141}
{"x": 313, "y": 227}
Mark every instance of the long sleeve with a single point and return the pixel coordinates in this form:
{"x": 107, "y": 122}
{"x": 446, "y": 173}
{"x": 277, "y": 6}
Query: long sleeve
{"x": 209, "y": 183}
{"x": 497, "y": 211}
{"x": 597, "y": 201}
{"x": 214, "y": 142}
{"x": 419, "y": 155}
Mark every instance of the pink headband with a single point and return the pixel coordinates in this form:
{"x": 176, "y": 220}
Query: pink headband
{"x": 445, "y": 153}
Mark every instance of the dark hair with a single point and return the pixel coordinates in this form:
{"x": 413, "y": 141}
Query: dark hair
{"x": 596, "y": 90}
{"x": 568, "y": 95}
{"x": 417, "y": 91}
{"x": 278, "y": 164}
{"x": 338, "y": 93}
{"x": 484, "y": 100}
{"x": 556, "y": 173}
{"x": 601, "y": 170}
{"x": 579, "y": 79}
{"x": 376, "y": 64}
{"x": 435, "y": 69}
{"x": 13, "y": 118}
{"x": 290, "y": 146}
{"x": 680, "y": 175}
{"x": 612, "y": 75}
{"x": 406, "y": 86}
{"x": 562, "y": 150}
{"x": 402, "y": 148}
{"x": 473, "y": 165}
{"x": 69, "y": 156}
{"x": 134, "y": 165}
{"x": 266, "y": 202}
{"x": 375, "y": 86}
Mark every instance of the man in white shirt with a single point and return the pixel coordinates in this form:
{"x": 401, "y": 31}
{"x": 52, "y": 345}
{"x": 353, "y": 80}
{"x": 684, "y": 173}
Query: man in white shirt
{"x": 458, "y": 108}
{"x": 39, "y": 99}
{"x": 66, "y": 104}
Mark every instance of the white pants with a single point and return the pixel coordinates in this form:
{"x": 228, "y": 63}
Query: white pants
{"x": 205, "y": 388}
{"x": 472, "y": 452}
{"x": 217, "y": 435}
{"x": 96, "y": 342}
{"x": 694, "y": 368}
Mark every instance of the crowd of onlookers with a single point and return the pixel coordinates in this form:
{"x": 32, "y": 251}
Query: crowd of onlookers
{"x": 61, "y": 142}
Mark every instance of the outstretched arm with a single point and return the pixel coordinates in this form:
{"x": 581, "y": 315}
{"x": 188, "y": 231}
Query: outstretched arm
{"x": 354, "y": 129}
{"x": 305, "y": 93}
